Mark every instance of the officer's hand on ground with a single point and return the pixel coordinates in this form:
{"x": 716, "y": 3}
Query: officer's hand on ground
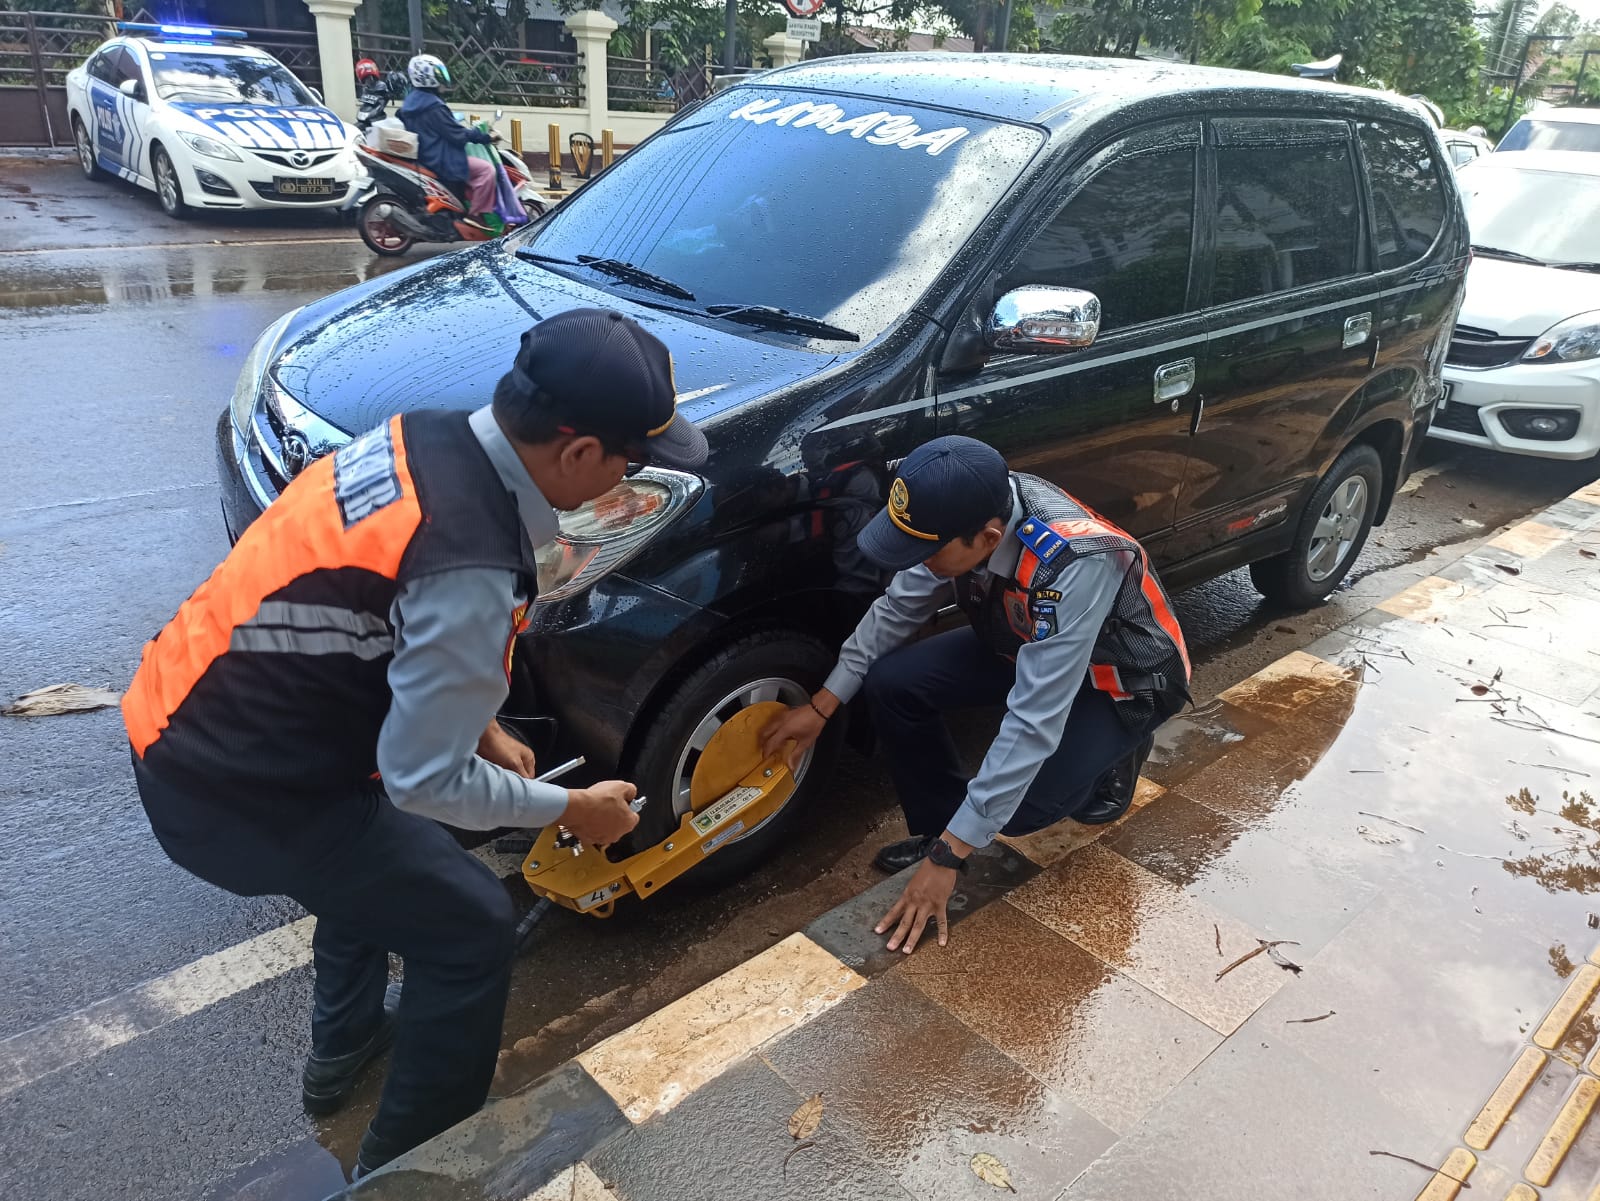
{"x": 802, "y": 726}
{"x": 599, "y": 815}
{"x": 923, "y": 900}
{"x": 505, "y": 750}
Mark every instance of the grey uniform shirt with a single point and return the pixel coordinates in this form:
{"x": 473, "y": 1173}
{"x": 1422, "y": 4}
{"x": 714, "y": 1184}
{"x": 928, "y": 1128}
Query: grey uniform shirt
{"x": 448, "y": 678}
{"x": 1049, "y": 673}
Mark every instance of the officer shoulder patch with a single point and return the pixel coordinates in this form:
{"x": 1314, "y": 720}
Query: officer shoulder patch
{"x": 1044, "y": 621}
{"x": 1046, "y": 594}
{"x": 1040, "y": 538}
{"x": 364, "y": 476}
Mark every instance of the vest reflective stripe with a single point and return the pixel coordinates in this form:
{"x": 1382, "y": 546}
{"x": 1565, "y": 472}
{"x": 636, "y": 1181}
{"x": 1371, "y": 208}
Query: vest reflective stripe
{"x": 281, "y": 641}
{"x": 1108, "y": 679}
{"x": 318, "y": 617}
{"x": 303, "y": 531}
{"x": 1162, "y": 612}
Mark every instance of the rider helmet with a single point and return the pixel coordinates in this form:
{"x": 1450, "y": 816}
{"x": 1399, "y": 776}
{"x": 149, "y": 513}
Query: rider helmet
{"x": 366, "y": 70}
{"x": 426, "y": 71}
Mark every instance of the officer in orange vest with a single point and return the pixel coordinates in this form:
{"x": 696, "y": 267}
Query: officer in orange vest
{"x": 1068, "y": 628}
{"x": 328, "y": 696}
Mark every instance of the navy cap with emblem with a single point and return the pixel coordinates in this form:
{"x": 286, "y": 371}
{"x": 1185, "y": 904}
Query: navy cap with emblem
{"x": 945, "y": 489}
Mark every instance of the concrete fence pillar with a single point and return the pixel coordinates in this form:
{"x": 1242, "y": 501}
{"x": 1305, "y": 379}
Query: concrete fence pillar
{"x": 592, "y": 31}
{"x": 783, "y": 49}
{"x": 335, "y": 54}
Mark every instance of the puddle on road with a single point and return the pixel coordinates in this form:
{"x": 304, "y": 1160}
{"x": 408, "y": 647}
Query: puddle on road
{"x": 181, "y": 273}
{"x": 300, "y": 1172}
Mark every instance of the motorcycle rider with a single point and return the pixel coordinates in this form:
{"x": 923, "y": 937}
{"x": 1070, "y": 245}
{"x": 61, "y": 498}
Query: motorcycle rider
{"x": 441, "y": 139}
{"x": 373, "y": 93}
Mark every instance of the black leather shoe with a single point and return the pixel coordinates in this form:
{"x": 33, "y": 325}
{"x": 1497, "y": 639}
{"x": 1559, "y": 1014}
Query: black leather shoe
{"x": 326, "y": 1083}
{"x": 1115, "y": 793}
{"x": 898, "y": 856}
{"x": 374, "y": 1153}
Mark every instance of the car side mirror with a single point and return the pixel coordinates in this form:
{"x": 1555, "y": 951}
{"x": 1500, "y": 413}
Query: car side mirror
{"x": 132, "y": 87}
{"x": 1043, "y": 320}
{"x": 315, "y": 95}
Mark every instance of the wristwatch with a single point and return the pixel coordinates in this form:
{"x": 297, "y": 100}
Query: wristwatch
{"x": 940, "y": 854}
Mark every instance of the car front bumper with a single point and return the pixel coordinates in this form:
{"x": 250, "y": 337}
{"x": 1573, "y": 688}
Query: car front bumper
{"x": 249, "y": 183}
{"x": 1485, "y": 405}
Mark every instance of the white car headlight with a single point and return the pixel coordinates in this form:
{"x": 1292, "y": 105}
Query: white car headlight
{"x": 604, "y": 534}
{"x": 248, "y": 385}
{"x": 210, "y": 147}
{"x": 1572, "y": 341}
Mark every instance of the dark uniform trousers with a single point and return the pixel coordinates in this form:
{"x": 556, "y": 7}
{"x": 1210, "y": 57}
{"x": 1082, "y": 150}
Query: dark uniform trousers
{"x": 910, "y": 690}
{"x": 378, "y": 880}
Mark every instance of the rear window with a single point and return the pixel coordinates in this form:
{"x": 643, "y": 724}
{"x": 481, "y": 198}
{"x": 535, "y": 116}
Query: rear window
{"x": 1407, "y": 196}
{"x": 1534, "y": 133}
{"x": 1286, "y": 218}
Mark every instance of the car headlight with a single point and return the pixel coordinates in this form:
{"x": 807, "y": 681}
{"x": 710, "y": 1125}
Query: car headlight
{"x": 1572, "y": 341}
{"x": 601, "y": 536}
{"x": 248, "y": 385}
{"x": 210, "y": 147}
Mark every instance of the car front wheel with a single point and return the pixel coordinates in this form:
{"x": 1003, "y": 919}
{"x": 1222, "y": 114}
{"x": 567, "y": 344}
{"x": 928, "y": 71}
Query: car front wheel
{"x": 1333, "y": 528}
{"x": 774, "y": 665}
{"x": 168, "y": 188}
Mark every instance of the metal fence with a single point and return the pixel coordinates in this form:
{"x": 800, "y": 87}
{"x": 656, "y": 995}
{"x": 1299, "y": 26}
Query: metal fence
{"x": 637, "y": 86}
{"x": 36, "y": 52}
{"x": 489, "y": 74}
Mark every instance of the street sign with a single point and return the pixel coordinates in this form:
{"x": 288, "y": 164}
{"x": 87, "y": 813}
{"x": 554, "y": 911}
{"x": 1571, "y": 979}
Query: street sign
{"x": 804, "y": 8}
{"x": 807, "y": 29}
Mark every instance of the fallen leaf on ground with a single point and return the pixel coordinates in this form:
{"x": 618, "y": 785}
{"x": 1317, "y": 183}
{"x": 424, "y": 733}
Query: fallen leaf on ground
{"x": 1587, "y": 554}
{"x": 1282, "y": 960}
{"x": 1509, "y": 568}
{"x": 61, "y": 698}
{"x": 1480, "y": 690}
{"x": 991, "y": 1171}
{"x": 804, "y": 1121}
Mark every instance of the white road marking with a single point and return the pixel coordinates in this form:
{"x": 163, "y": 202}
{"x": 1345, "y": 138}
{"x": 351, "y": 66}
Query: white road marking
{"x": 1419, "y": 478}
{"x": 65, "y": 1042}
{"x": 86, "y": 1033}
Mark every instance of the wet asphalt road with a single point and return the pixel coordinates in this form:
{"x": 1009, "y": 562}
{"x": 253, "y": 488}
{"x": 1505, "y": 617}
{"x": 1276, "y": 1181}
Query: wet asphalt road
{"x": 120, "y": 336}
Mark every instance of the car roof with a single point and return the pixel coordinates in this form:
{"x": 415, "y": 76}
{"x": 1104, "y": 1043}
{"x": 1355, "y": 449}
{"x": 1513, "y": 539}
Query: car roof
{"x": 1571, "y": 116}
{"x": 1051, "y": 89}
{"x": 1565, "y": 162}
{"x": 163, "y": 44}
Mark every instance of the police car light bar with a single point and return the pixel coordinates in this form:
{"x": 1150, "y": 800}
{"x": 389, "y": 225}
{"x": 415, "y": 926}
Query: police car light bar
{"x": 183, "y": 32}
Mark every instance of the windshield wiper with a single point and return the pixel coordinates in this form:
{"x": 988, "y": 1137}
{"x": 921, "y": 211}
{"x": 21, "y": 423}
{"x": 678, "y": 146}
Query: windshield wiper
{"x": 769, "y": 317}
{"x": 1515, "y": 256}
{"x": 615, "y": 268}
{"x": 1578, "y": 266}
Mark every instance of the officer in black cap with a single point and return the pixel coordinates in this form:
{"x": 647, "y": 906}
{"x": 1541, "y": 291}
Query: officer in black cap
{"x": 333, "y": 686}
{"x": 1068, "y": 627}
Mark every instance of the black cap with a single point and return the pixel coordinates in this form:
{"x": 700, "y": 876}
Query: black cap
{"x": 945, "y": 489}
{"x": 598, "y": 372}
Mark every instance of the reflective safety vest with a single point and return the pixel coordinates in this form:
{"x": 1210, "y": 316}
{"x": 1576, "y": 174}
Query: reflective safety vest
{"x": 274, "y": 672}
{"x": 1139, "y": 657}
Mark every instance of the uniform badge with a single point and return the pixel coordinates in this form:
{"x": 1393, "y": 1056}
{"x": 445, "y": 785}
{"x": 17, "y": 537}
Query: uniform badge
{"x": 1046, "y": 594}
{"x": 900, "y": 500}
{"x": 1044, "y": 622}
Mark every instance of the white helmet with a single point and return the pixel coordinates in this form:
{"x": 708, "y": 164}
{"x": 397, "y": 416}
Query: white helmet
{"x": 426, "y": 71}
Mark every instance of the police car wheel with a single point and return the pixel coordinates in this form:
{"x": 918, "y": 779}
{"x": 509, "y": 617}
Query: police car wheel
{"x": 168, "y": 188}
{"x": 1333, "y": 528}
{"x": 86, "y": 159}
{"x": 774, "y": 665}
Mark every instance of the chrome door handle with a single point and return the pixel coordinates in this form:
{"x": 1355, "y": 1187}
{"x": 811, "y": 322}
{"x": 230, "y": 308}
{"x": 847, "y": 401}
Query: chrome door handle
{"x": 1357, "y": 329}
{"x": 1174, "y": 380}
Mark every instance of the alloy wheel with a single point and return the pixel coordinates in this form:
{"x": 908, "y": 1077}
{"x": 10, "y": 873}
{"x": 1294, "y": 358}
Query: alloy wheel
{"x": 1337, "y": 528}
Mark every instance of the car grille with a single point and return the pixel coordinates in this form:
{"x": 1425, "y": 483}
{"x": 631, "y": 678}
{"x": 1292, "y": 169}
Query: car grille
{"x": 1460, "y": 419}
{"x": 282, "y": 160}
{"x": 1472, "y": 347}
{"x": 269, "y": 191}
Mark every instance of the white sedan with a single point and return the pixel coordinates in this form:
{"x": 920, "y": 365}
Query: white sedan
{"x": 205, "y": 123}
{"x": 1523, "y": 370}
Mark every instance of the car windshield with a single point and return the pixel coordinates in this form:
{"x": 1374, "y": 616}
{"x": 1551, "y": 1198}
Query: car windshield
{"x": 225, "y": 79}
{"x": 1551, "y": 215}
{"x": 828, "y": 206}
{"x": 1531, "y": 133}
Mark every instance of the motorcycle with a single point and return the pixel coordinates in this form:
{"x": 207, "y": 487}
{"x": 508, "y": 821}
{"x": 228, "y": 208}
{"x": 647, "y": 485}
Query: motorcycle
{"x": 401, "y": 202}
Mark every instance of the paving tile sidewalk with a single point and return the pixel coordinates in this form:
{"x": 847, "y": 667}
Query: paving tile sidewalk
{"x": 1404, "y": 809}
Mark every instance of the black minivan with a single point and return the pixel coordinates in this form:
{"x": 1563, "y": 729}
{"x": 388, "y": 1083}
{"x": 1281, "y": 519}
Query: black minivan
{"x": 1213, "y": 305}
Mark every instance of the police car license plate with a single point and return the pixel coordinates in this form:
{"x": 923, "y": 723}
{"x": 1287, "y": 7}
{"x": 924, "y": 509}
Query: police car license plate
{"x": 302, "y": 187}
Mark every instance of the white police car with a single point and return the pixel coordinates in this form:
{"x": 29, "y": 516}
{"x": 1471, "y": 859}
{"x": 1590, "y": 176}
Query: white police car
{"x": 206, "y": 123}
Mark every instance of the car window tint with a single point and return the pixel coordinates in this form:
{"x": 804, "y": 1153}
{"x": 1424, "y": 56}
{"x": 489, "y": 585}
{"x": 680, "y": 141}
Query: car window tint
{"x": 1407, "y": 197}
{"x": 1286, "y": 218}
{"x": 102, "y": 64}
{"x": 1124, "y": 236}
{"x": 1463, "y": 152}
{"x": 1531, "y": 133}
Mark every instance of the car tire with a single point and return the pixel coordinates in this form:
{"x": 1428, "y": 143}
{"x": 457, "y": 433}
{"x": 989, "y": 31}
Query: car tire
{"x": 169, "y": 188}
{"x": 1333, "y": 528}
{"x": 771, "y": 665}
{"x": 380, "y": 236}
{"x": 85, "y": 144}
